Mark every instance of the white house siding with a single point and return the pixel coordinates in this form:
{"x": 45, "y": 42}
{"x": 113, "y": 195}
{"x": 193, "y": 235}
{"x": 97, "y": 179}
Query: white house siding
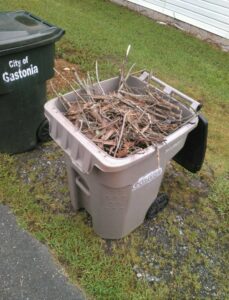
{"x": 209, "y": 15}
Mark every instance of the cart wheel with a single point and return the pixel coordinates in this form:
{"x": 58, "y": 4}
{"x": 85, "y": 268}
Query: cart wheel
{"x": 43, "y": 132}
{"x": 159, "y": 204}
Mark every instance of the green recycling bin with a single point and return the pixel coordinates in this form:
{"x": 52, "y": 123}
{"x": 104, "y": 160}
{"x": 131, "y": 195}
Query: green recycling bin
{"x": 27, "y": 49}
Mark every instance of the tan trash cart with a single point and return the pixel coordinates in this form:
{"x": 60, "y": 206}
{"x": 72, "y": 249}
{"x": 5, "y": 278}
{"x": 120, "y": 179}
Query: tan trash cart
{"x": 116, "y": 192}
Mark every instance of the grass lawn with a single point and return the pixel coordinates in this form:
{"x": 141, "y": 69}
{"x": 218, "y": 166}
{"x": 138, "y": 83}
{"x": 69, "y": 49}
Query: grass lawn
{"x": 182, "y": 253}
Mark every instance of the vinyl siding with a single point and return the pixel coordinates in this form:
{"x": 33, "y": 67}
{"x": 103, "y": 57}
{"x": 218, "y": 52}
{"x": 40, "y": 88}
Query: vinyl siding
{"x": 210, "y": 15}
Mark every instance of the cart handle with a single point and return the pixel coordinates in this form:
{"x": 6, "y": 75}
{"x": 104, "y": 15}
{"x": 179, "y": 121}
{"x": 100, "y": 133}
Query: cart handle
{"x": 82, "y": 186}
{"x": 195, "y": 105}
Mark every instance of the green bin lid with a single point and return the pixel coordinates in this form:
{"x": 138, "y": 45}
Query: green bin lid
{"x": 21, "y": 30}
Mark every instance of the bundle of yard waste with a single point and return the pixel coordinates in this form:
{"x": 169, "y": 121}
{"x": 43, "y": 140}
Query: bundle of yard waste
{"x": 124, "y": 121}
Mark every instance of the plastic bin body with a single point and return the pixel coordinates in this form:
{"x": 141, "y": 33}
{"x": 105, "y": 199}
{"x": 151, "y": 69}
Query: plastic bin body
{"x": 116, "y": 192}
{"x": 27, "y": 48}
{"x": 116, "y": 201}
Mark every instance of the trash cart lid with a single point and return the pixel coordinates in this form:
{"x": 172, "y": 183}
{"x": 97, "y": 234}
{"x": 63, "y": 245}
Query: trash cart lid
{"x": 21, "y": 30}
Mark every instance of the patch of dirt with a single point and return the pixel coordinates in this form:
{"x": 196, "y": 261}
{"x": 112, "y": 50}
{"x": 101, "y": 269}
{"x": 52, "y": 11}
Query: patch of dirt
{"x": 59, "y": 84}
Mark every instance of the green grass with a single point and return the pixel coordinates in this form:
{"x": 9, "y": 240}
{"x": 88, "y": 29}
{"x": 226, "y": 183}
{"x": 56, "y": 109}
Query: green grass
{"x": 220, "y": 194}
{"x": 100, "y": 30}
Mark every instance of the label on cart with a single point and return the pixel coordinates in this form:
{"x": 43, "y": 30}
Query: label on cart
{"x": 19, "y": 69}
{"x": 147, "y": 178}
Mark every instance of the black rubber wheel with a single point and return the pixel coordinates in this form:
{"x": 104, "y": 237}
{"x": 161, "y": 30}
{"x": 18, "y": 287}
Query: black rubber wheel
{"x": 43, "y": 132}
{"x": 159, "y": 204}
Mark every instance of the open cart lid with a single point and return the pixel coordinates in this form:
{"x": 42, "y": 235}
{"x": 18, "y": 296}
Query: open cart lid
{"x": 21, "y": 30}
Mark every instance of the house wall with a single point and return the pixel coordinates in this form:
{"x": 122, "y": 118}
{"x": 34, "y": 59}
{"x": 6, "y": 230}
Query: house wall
{"x": 207, "y": 19}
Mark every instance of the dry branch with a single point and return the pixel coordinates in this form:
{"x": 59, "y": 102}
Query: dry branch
{"x": 125, "y": 121}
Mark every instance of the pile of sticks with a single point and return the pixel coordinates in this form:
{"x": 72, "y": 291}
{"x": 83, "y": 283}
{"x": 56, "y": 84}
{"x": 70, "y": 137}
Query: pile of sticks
{"x": 125, "y": 121}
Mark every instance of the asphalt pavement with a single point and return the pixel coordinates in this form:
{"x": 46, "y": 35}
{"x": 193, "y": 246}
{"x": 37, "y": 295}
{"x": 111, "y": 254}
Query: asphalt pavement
{"x": 27, "y": 269}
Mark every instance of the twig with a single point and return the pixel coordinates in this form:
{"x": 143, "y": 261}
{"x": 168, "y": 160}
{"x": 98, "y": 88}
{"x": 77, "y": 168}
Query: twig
{"x": 97, "y": 77}
{"x": 78, "y": 95}
{"x": 122, "y": 71}
{"x": 79, "y": 81}
{"x": 127, "y": 120}
{"x": 138, "y": 72}
{"x": 121, "y": 133}
{"x": 65, "y": 103}
{"x": 127, "y": 76}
